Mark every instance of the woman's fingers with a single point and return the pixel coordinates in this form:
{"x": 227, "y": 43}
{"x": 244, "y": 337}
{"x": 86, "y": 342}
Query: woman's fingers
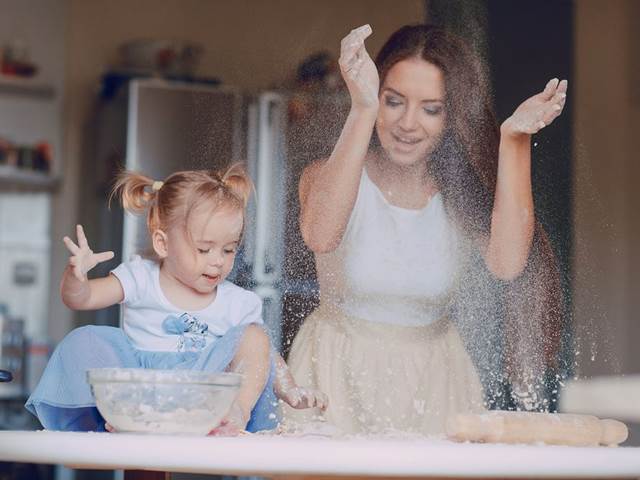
{"x": 352, "y": 47}
{"x": 358, "y": 70}
{"x": 354, "y": 67}
{"x": 551, "y": 113}
{"x": 555, "y": 105}
{"x": 355, "y": 38}
{"x": 349, "y": 58}
{"x": 559, "y": 95}
{"x": 562, "y": 87}
{"x": 550, "y": 89}
{"x": 364, "y": 31}
{"x": 553, "y": 99}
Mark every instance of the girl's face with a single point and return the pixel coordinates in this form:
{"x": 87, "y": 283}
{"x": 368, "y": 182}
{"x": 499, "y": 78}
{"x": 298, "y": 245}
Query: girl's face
{"x": 411, "y": 117}
{"x": 203, "y": 261}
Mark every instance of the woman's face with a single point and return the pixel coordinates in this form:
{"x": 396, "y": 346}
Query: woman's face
{"x": 411, "y": 116}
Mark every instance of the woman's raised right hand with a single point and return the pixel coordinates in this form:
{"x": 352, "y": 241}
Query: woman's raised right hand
{"x": 358, "y": 70}
{"x": 82, "y": 257}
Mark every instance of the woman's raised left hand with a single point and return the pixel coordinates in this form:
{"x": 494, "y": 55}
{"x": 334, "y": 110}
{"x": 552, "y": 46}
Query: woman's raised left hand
{"x": 537, "y": 112}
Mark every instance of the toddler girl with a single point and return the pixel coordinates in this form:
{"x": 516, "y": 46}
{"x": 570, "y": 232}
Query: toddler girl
{"x": 179, "y": 312}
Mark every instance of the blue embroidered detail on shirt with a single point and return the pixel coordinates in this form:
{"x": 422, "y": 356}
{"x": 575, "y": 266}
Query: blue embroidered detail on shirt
{"x": 192, "y": 332}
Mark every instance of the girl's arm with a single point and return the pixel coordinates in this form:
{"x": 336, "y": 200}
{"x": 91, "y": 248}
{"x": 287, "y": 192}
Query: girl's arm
{"x": 76, "y": 290}
{"x": 286, "y": 389}
{"x": 512, "y": 220}
{"x": 328, "y": 189}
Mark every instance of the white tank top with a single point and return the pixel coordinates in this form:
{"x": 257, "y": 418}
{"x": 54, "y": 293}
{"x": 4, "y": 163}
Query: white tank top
{"x": 394, "y": 265}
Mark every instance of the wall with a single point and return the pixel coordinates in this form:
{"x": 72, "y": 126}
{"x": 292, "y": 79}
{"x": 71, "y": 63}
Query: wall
{"x": 250, "y": 44}
{"x": 606, "y": 105}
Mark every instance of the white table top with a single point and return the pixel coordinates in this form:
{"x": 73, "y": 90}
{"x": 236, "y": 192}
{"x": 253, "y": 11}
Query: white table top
{"x": 271, "y": 455}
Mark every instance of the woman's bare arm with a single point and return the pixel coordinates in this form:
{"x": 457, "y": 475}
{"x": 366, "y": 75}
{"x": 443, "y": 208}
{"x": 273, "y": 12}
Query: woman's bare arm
{"x": 328, "y": 189}
{"x": 513, "y": 219}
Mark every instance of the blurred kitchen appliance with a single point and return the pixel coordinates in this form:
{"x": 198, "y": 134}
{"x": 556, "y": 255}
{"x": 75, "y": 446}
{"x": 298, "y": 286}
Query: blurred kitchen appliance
{"x": 263, "y": 251}
{"x": 177, "y": 126}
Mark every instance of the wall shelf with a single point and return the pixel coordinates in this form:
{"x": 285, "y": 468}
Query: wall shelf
{"x": 12, "y": 178}
{"x": 25, "y": 87}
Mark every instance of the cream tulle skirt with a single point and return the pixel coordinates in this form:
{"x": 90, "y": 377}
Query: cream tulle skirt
{"x": 382, "y": 377}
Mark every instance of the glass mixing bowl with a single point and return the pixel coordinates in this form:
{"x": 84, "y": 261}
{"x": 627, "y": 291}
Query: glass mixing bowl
{"x": 180, "y": 402}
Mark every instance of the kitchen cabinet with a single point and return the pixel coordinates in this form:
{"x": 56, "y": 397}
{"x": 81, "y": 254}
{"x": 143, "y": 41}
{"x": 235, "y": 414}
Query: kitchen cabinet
{"x": 25, "y": 87}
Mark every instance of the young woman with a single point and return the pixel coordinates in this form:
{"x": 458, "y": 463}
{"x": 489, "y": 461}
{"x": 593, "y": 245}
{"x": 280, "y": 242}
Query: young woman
{"x": 393, "y": 220}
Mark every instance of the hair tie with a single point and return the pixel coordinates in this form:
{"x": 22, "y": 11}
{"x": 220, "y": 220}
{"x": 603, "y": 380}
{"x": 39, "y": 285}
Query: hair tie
{"x": 217, "y": 177}
{"x": 157, "y": 185}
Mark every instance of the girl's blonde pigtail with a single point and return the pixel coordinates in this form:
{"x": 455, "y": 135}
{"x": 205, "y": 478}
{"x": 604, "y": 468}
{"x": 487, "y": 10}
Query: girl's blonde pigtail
{"x": 134, "y": 190}
{"x": 236, "y": 179}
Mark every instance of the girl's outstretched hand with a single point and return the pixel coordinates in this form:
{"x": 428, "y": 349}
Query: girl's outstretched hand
{"x": 301, "y": 397}
{"x": 358, "y": 70}
{"x": 82, "y": 257}
{"x": 538, "y": 111}
{"x": 287, "y": 390}
{"x": 232, "y": 424}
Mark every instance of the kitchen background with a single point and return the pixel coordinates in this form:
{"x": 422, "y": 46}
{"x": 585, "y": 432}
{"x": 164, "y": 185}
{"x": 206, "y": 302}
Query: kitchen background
{"x": 65, "y": 124}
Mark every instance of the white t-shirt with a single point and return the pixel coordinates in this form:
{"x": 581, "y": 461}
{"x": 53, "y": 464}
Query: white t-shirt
{"x": 153, "y": 323}
{"x": 394, "y": 265}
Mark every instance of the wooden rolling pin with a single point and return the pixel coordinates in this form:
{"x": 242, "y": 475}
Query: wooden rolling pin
{"x": 533, "y": 427}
